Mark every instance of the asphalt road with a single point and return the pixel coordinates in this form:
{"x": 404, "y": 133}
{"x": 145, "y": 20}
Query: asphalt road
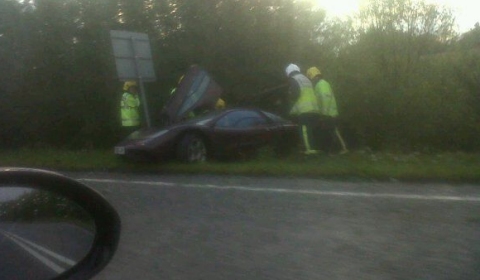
{"x": 41, "y": 250}
{"x": 205, "y": 227}
{"x": 18, "y": 264}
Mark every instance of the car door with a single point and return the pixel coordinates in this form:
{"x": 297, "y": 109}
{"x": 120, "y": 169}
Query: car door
{"x": 197, "y": 89}
{"x": 241, "y": 131}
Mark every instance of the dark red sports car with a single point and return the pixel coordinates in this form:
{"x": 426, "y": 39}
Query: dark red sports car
{"x": 217, "y": 134}
{"x": 220, "y": 134}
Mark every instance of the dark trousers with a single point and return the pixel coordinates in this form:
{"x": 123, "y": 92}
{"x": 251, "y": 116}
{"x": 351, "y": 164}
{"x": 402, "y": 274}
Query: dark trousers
{"x": 325, "y": 134}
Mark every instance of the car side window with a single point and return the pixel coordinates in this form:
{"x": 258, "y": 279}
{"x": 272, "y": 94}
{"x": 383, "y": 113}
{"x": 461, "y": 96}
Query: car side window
{"x": 274, "y": 117}
{"x": 241, "y": 119}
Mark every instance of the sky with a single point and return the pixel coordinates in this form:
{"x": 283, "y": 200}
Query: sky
{"x": 466, "y": 12}
{"x": 9, "y": 193}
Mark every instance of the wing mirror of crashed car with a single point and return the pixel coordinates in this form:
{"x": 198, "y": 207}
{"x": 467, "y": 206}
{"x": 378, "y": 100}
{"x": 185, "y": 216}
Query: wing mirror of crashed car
{"x": 53, "y": 227}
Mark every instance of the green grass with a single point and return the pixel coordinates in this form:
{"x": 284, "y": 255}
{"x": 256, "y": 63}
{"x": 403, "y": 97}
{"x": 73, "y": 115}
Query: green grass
{"x": 458, "y": 167}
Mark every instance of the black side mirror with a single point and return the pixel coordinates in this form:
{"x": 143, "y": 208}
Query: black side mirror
{"x": 53, "y": 227}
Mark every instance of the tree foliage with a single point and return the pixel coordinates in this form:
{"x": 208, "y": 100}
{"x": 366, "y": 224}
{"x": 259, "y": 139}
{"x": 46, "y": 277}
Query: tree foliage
{"x": 43, "y": 206}
{"x": 404, "y": 79}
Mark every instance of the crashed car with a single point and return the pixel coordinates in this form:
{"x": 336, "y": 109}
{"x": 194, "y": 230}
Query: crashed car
{"x": 215, "y": 134}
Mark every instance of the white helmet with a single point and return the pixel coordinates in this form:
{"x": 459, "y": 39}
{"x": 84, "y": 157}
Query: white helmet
{"x": 291, "y": 68}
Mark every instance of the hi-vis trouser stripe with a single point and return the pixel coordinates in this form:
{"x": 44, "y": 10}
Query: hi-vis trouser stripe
{"x": 306, "y": 140}
{"x": 340, "y": 138}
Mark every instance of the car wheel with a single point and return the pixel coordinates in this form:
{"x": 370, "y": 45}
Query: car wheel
{"x": 192, "y": 148}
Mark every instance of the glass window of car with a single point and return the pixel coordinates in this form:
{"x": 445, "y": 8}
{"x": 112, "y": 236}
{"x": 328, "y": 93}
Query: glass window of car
{"x": 241, "y": 119}
{"x": 274, "y": 117}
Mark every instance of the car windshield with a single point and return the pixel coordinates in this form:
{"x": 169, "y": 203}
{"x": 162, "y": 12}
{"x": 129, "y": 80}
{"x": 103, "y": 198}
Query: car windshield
{"x": 202, "y": 119}
{"x": 274, "y": 117}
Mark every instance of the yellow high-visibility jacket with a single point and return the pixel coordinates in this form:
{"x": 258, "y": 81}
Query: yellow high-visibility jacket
{"x": 306, "y": 101}
{"x": 130, "y": 109}
{"x": 326, "y": 99}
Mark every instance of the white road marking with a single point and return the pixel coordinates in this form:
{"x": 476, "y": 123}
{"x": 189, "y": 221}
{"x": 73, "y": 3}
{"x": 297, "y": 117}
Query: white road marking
{"x": 54, "y": 255}
{"x": 292, "y": 191}
{"x": 53, "y": 266}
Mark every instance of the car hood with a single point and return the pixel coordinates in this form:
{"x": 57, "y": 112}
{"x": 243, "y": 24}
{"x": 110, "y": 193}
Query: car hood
{"x": 196, "y": 90}
{"x": 155, "y": 133}
{"x": 145, "y": 133}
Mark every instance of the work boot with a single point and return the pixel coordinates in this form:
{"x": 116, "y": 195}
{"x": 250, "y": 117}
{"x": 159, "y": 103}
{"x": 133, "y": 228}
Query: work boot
{"x": 310, "y": 152}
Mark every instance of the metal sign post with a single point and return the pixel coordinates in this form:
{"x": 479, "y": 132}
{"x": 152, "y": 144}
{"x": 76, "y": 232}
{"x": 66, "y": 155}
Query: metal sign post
{"x": 133, "y": 59}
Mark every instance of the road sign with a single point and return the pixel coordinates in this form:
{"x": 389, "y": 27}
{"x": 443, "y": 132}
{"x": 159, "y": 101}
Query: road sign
{"x": 133, "y": 56}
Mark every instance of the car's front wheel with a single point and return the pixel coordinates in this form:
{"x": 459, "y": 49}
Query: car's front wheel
{"x": 192, "y": 148}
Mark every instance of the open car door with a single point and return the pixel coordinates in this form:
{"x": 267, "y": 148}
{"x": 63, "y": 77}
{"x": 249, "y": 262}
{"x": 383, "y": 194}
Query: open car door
{"x": 196, "y": 90}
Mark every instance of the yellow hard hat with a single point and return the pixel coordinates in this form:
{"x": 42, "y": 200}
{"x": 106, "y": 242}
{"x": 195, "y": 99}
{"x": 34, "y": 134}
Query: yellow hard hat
{"x": 312, "y": 72}
{"x": 220, "y": 104}
{"x": 129, "y": 84}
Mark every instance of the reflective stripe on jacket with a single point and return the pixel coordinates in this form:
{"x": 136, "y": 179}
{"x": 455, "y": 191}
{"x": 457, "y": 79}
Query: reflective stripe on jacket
{"x": 326, "y": 99}
{"x": 129, "y": 109}
{"x": 306, "y": 102}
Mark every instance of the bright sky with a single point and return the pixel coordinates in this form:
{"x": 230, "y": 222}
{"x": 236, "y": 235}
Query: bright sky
{"x": 467, "y": 12}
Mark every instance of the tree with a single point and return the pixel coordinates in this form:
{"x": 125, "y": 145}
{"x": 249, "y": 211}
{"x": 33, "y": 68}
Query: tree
{"x": 392, "y": 38}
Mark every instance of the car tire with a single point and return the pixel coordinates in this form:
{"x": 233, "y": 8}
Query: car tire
{"x": 192, "y": 148}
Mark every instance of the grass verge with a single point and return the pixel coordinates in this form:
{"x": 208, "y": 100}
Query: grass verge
{"x": 455, "y": 167}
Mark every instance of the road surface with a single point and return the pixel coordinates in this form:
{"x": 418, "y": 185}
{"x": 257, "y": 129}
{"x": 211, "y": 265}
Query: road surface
{"x": 41, "y": 250}
{"x": 207, "y": 227}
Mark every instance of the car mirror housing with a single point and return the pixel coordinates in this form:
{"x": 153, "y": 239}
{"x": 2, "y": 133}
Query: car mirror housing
{"x": 53, "y": 227}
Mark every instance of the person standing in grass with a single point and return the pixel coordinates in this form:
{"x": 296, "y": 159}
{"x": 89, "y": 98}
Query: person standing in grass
{"x": 305, "y": 108}
{"x": 327, "y": 128}
{"x": 130, "y": 108}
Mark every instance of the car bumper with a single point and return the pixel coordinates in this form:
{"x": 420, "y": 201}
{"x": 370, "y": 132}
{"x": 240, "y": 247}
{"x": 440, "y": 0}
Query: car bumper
{"x": 136, "y": 153}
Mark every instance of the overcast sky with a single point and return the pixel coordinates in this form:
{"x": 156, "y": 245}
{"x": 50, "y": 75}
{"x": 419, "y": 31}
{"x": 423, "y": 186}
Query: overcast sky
{"x": 467, "y": 12}
{"x": 10, "y": 193}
